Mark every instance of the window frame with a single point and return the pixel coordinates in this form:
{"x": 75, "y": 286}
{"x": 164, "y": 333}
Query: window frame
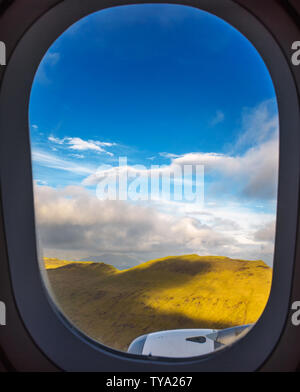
{"x": 51, "y": 333}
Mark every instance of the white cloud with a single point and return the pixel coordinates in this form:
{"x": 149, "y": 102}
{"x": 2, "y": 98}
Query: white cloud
{"x": 52, "y": 58}
{"x": 56, "y": 140}
{"x": 79, "y": 156}
{"x": 259, "y": 124}
{"x": 255, "y": 171}
{"x": 218, "y": 118}
{"x": 54, "y": 162}
{"x": 168, "y": 155}
{"x": 41, "y": 182}
{"x": 78, "y": 144}
{"x": 49, "y": 61}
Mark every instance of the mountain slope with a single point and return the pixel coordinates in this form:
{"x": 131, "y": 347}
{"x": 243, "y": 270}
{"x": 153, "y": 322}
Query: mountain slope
{"x": 189, "y": 291}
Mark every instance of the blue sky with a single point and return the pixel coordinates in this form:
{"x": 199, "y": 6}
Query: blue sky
{"x": 156, "y": 83}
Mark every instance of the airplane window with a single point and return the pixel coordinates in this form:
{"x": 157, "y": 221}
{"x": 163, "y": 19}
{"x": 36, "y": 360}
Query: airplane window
{"x": 154, "y": 137}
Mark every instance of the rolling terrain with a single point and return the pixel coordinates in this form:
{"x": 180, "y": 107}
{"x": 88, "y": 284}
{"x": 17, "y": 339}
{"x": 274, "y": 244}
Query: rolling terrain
{"x": 191, "y": 291}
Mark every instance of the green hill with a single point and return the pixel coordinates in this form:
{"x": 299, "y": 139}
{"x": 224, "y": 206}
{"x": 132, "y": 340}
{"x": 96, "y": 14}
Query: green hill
{"x": 191, "y": 291}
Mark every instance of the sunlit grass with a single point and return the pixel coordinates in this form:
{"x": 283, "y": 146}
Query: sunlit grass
{"x": 190, "y": 291}
{"x": 53, "y": 263}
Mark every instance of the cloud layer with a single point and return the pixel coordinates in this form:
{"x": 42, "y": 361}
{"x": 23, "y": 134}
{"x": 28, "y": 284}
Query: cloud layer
{"x": 251, "y": 175}
{"x": 73, "y": 223}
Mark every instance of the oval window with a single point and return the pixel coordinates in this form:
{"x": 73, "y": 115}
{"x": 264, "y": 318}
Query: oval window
{"x": 154, "y": 134}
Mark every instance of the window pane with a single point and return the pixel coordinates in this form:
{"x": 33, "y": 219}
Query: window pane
{"x": 154, "y": 132}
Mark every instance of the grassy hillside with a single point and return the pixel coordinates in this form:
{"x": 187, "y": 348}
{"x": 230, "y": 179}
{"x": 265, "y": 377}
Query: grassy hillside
{"x": 52, "y": 263}
{"x": 189, "y": 291}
